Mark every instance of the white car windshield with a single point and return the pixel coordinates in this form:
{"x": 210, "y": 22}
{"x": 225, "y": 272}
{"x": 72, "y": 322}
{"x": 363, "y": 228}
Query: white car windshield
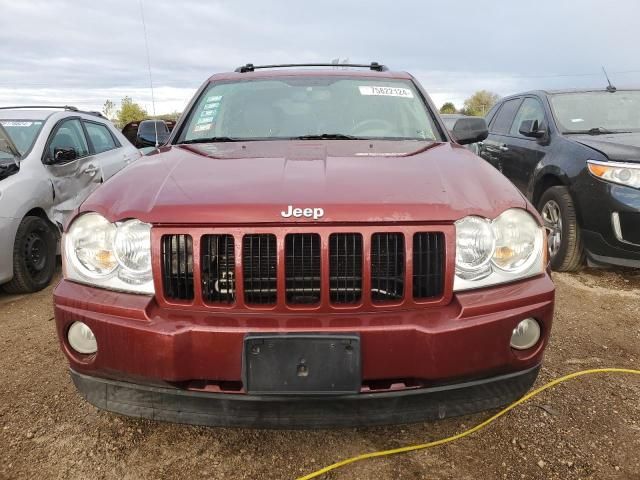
{"x": 597, "y": 112}
{"x": 23, "y": 133}
{"x": 310, "y": 107}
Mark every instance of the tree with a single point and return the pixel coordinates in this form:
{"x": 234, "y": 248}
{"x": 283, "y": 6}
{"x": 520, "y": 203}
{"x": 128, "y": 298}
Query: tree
{"x": 109, "y": 109}
{"x": 480, "y": 103}
{"x": 129, "y": 112}
{"x": 448, "y": 107}
{"x": 175, "y": 115}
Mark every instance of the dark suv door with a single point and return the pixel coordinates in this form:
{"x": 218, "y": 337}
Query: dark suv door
{"x": 523, "y": 153}
{"x": 495, "y": 145}
{"x": 513, "y": 153}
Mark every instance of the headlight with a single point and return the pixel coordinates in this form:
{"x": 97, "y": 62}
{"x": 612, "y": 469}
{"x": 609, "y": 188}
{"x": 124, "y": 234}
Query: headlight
{"x": 616, "y": 172}
{"x": 108, "y": 255}
{"x": 503, "y": 250}
{"x": 475, "y": 245}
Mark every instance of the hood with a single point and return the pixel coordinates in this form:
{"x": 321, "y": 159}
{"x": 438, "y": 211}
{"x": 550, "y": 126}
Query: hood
{"x": 623, "y": 147}
{"x": 351, "y": 181}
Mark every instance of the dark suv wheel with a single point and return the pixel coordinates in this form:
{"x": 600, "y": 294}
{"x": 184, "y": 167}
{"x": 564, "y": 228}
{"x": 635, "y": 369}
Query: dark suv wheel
{"x": 34, "y": 256}
{"x": 563, "y": 233}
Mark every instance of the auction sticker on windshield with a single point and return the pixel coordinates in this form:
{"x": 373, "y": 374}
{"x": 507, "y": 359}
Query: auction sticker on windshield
{"x": 16, "y": 124}
{"x": 386, "y": 91}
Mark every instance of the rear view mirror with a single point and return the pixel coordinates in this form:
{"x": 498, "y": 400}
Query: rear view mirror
{"x": 531, "y": 129}
{"x": 64, "y": 154}
{"x": 470, "y": 130}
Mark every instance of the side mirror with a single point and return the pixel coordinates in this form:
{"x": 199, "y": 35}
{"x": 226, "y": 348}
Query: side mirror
{"x": 531, "y": 129}
{"x": 64, "y": 154}
{"x": 470, "y": 130}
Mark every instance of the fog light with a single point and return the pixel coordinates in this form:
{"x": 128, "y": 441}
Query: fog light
{"x": 82, "y": 339}
{"x": 526, "y": 334}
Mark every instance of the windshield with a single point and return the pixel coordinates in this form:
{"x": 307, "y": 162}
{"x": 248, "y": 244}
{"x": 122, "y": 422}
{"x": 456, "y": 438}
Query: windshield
{"x": 23, "y": 133}
{"x": 308, "y": 108}
{"x": 605, "y": 111}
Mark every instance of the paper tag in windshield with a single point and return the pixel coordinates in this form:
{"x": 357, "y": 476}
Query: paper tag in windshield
{"x": 386, "y": 91}
{"x": 16, "y": 124}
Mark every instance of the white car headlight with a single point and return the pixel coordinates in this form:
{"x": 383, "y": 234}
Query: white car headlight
{"x": 109, "y": 255}
{"x": 508, "y": 248}
{"x": 616, "y": 172}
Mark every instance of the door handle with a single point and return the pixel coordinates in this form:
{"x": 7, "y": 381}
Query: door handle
{"x": 503, "y": 148}
{"x": 91, "y": 170}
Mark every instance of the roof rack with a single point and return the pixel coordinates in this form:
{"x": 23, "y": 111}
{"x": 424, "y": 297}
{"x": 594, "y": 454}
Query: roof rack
{"x": 68, "y": 108}
{"x": 26, "y": 107}
{"x": 250, "y": 67}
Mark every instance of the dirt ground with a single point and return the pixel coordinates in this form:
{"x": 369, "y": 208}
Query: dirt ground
{"x": 586, "y": 429}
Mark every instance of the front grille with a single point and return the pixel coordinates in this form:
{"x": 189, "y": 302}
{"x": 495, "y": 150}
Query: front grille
{"x": 259, "y": 267}
{"x": 218, "y": 268}
{"x": 345, "y": 267}
{"x": 428, "y": 264}
{"x": 302, "y": 268}
{"x": 177, "y": 266}
{"x": 387, "y": 266}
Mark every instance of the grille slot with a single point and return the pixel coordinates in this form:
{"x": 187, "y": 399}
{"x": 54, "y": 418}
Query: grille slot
{"x": 428, "y": 265}
{"x": 345, "y": 267}
{"x": 302, "y": 268}
{"x": 259, "y": 268}
{"x": 218, "y": 268}
{"x": 177, "y": 266}
{"x": 387, "y": 267}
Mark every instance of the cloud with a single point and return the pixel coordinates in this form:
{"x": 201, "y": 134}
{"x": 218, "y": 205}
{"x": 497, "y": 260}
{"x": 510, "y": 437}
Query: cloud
{"x": 73, "y": 51}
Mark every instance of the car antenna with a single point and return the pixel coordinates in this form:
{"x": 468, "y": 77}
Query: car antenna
{"x": 610, "y": 88}
{"x": 146, "y": 45}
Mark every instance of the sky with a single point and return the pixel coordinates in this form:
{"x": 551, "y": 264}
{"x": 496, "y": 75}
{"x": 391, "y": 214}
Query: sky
{"x": 82, "y": 53}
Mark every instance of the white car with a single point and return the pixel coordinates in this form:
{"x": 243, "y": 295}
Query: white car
{"x": 51, "y": 159}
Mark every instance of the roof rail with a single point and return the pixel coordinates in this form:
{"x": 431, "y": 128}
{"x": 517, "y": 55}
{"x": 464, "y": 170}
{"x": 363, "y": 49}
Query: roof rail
{"x": 68, "y": 108}
{"x": 51, "y": 107}
{"x": 250, "y": 67}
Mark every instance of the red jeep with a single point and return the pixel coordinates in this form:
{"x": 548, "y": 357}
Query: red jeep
{"x": 311, "y": 248}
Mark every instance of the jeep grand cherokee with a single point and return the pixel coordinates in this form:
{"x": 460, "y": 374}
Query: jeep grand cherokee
{"x": 310, "y": 248}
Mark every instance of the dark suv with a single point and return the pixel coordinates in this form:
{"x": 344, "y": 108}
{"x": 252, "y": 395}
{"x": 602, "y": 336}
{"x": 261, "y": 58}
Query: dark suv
{"x": 576, "y": 156}
{"x": 310, "y": 248}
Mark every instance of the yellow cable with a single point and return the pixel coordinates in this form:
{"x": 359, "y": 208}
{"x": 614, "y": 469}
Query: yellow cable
{"x": 480, "y": 426}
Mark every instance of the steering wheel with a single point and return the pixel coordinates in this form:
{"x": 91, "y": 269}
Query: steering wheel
{"x": 372, "y": 126}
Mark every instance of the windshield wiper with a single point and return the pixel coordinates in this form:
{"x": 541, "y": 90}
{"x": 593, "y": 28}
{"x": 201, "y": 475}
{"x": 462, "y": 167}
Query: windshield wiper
{"x": 212, "y": 140}
{"x": 597, "y": 131}
{"x": 327, "y": 136}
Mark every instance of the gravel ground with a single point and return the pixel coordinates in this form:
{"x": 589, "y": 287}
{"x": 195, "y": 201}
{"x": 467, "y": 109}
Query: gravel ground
{"x": 586, "y": 429}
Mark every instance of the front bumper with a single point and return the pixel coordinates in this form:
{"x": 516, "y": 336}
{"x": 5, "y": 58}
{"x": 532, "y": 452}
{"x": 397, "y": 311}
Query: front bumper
{"x": 172, "y": 357}
{"x": 199, "y": 408}
{"x": 597, "y": 202}
{"x": 8, "y": 230}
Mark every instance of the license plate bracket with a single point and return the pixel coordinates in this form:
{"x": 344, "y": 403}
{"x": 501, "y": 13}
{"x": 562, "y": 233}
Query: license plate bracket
{"x": 302, "y": 364}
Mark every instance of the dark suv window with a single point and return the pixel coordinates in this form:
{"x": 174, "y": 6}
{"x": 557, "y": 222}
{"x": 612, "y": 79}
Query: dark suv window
{"x": 502, "y": 123}
{"x": 531, "y": 109}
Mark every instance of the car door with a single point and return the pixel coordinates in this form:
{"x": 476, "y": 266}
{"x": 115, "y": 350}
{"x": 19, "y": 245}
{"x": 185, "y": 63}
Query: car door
{"x": 520, "y": 154}
{"x": 494, "y": 146}
{"x": 71, "y": 179}
{"x": 109, "y": 153}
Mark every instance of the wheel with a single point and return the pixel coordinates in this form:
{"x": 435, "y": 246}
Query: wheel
{"x": 563, "y": 233}
{"x": 34, "y": 256}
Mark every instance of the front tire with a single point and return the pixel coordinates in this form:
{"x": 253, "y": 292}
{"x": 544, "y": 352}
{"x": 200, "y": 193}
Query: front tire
{"x": 34, "y": 256}
{"x": 563, "y": 232}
